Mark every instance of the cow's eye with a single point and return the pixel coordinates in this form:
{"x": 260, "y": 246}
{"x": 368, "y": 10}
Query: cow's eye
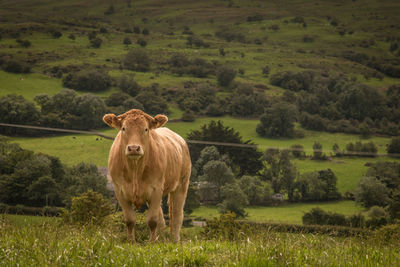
{"x": 123, "y": 129}
{"x": 146, "y": 130}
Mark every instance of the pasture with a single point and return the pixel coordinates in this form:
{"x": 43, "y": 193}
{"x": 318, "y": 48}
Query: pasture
{"x": 290, "y": 213}
{"x": 53, "y": 244}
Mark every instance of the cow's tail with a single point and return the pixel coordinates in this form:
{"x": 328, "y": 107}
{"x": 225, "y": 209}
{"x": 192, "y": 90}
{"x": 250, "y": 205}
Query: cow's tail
{"x": 170, "y": 212}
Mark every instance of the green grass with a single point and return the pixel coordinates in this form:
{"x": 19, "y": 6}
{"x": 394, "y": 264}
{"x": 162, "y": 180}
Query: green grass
{"x": 55, "y": 244}
{"x": 28, "y": 85}
{"x": 290, "y": 213}
{"x": 29, "y": 221}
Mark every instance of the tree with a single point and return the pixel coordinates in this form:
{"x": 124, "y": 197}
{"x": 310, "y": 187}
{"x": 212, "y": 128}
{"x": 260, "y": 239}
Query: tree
{"x": 17, "y": 110}
{"x": 245, "y": 160}
{"x": 129, "y": 85}
{"x": 225, "y": 75}
{"x": 234, "y": 200}
{"x": 88, "y": 80}
{"x": 394, "y": 146}
{"x": 96, "y": 42}
{"x": 317, "y": 148}
{"x": 192, "y": 200}
{"x": 137, "y": 60}
{"x": 279, "y": 171}
{"x": 370, "y": 192}
{"x": 152, "y": 102}
{"x": 258, "y": 192}
{"x": 218, "y": 173}
{"x": 127, "y": 41}
{"x": 278, "y": 121}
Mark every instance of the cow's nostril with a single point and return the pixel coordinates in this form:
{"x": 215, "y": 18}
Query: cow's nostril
{"x": 138, "y": 148}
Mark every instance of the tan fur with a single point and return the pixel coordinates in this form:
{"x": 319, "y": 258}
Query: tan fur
{"x": 163, "y": 169}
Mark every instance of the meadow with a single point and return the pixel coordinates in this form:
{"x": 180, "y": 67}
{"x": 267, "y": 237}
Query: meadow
{"x": 290, "y": 213}
{"x": 51, "y": 243}
{"x": 276, "y": 40}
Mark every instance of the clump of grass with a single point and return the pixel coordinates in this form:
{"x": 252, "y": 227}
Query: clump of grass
{"x": 50, "y": 243}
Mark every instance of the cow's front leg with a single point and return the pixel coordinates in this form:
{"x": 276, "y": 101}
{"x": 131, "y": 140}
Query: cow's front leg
{"x": 129, "y": 216}
{"x": 153, "y": 215}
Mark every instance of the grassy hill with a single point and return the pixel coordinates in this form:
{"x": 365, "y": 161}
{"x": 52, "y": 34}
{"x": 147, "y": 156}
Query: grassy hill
{"x": 294, "y": 35}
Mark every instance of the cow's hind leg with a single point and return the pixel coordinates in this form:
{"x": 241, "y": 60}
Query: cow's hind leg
{"x": 129, "y": 216}
{"x": 177, "y": 202}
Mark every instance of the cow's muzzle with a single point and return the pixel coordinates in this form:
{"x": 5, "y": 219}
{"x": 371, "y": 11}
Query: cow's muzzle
{"x": 134, "y": 151}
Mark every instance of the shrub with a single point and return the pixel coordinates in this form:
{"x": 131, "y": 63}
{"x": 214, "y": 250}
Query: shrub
{"x": 145, "y": 31}
{"x": 141, "y": 42}
{"x": 136, "y": 29}
{"x": 188, "y": 116}
{"x": 370, "y": 192}
{"x": 298, "y": 151}
{"x": 137, "y": 60}
{"x": 394, "y": 146}
{"x": 88, "y": 80}
{"x": 96, "y": 42}
{"x": 129, "y": 85}
{"x": 56, "y": 34}
{"x": 196, "y": 41}
{"x": 308, "y": 38}
{"x": 71, "y": 36}
{"x": 89, "y": 207}
{"x": 127, "y": 41}
{"x": 225, "y": 227}
{"x": 225, "y": 76}
{"x": 15, "y": 66}
{"x": 24, "y": 43}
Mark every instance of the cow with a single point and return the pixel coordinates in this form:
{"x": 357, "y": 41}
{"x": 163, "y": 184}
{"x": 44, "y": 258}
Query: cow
{"x": 146, "y": 162}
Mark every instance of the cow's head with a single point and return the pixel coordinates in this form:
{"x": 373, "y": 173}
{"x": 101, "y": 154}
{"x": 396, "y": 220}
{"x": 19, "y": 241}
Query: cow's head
{"x": 135, "y": 127}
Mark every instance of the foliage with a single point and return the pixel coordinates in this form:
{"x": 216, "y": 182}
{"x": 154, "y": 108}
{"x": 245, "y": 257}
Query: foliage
{"x": 258, "y": 192}
{"x": 127, "y": 41}
{"x": 234, "y": 199}
{"x": 277, "y": 121}
{"x": 192, "y": 200}
{"x": 137, "y": 60}
{"x": 318, "y": 153}
{"x": 96, "y": 42}
{"x": 279, "y": 171}
{"x": 370, "y": 191}
{"x": 363, "y": 150}
{"x": 225, "y": 75}
{"x": 180, "y": 64}
{"x": 40, "y": 180}
{"x": 129, "y": 85}
{"x": 89, "y": 207}
{"x": 245, "y": 158}
{"x": 16, "y": 66}
{"x": 394, "y": 146}
{"x": 152, "y": 101}
{"x": 317, "y": 186}
{"x": 217, "y": 173}
{"x": 67, "y": 109}
{"x": 91, "y": 80}
{"x": 17, "y": 110}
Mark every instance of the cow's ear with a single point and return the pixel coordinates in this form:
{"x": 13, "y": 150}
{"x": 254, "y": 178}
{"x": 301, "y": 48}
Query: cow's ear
{"x": 159, "y": 121}
{"x": 112, "y": 121}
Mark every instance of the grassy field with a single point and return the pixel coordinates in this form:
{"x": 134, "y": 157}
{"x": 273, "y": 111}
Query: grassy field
{"x": 72, "y": 149}
{"x": 55, "y": 244}
{"x": 290, "y": 213}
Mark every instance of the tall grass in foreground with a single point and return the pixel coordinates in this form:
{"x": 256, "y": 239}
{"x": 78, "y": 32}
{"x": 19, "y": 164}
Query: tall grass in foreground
{"x": 55, "y": 244}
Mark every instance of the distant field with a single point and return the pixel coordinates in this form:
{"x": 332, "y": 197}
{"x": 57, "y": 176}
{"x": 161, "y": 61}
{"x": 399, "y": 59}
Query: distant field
{"x": 290, "y": 213}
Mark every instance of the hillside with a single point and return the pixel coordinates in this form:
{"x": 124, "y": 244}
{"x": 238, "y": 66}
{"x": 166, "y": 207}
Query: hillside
{"x": 331, "y": 69}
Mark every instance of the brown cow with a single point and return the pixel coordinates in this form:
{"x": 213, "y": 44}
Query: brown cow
{"x": 146, "y": 162}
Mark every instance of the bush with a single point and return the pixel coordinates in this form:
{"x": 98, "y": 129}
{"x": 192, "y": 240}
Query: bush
{"x": 24, "y": 43}
{"x": 96, "y": 42}
{"x": 137, "y": 60}
{"x": 188, "y": 116}
{"x": 141, "y": 42}
{"x": 88, "y": 80}
{"x": 225, "y": 76}
{"x": 394, "y": 146}
{"x": 127, "y": 41}
{"x": 15, "y": 66}
{"x": 298, "y": 151}
{"x": 129, "y": 85}
{"x": 90, "y": 207}
{"x": 370, "y": 192}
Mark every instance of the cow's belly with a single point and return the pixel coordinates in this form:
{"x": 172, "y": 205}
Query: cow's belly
{"x": 136, "y": 195}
